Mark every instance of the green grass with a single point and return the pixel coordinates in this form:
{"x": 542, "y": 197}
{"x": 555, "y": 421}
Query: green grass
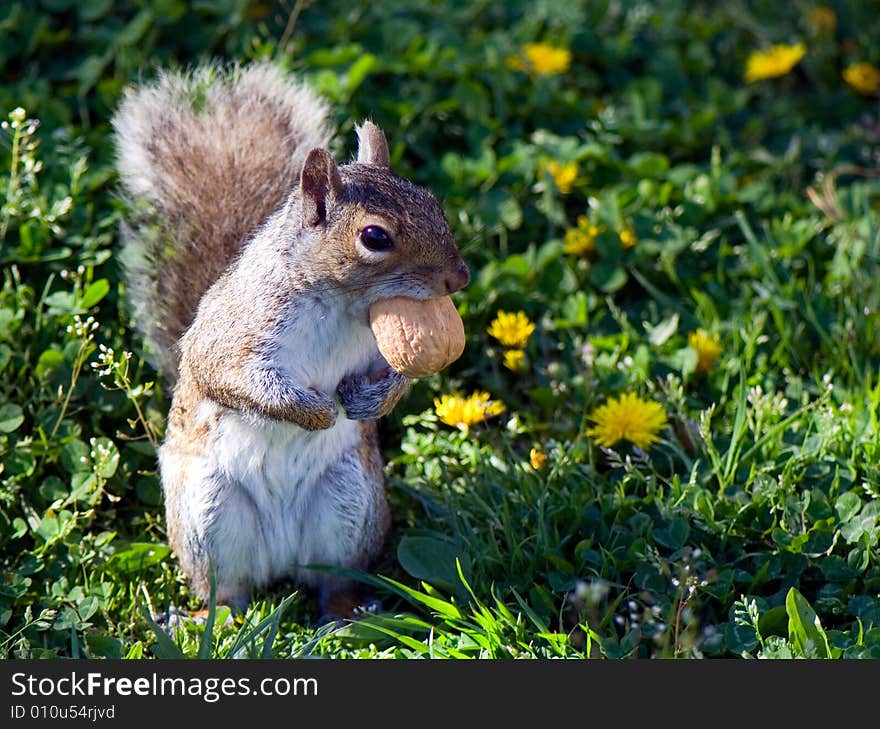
{"x": 749, "y": 529}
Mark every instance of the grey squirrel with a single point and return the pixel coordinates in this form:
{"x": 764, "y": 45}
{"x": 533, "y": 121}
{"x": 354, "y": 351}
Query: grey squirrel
{"x": 251, "y": 259}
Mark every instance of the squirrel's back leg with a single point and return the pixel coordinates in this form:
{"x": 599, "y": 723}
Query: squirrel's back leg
{"x": 212, "y": 524}
{"x": 352, "y": 509}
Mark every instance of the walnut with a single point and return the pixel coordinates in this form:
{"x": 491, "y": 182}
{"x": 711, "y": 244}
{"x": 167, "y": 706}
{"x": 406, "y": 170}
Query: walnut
{"x": 417, "y": 338}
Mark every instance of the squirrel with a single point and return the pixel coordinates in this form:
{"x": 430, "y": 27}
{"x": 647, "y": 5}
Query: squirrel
{"x": 251, "y": 260}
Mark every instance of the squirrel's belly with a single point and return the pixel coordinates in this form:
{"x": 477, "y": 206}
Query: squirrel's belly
{"x": 280, "y": 467}
{"x": 275, "y": 457}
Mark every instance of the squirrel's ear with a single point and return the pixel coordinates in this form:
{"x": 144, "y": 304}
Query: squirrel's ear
{"x": 320, "y": 185}
{"x": 372, "y": 146}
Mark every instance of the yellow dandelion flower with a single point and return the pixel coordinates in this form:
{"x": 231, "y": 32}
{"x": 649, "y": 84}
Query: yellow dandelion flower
{"x": 537, "y": 458}
{"x": 776, "y": 61}
{"x": 515, "y": 360}
{"x": 628, "y": 417}
{"x": 581, "y": 239}
{"x": 541, "y": 59}
{"x": 823, "y": 18}
{"x": 564, "y": 174}
{"x": 628, "y": 238}
{"x": 706, "y": 346}
{"x": 863, "y": 77}
{"x": 512, "y": 330}
{"x": 463, "y": 412}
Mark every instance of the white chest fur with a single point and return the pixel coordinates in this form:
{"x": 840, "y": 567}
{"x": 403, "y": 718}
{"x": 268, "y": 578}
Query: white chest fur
{"x": 317, "y": 348}
{"x": 320, "y": 345}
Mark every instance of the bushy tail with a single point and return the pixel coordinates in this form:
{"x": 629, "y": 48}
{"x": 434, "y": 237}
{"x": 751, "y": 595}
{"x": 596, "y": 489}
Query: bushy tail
{"x": 204, "y": 157}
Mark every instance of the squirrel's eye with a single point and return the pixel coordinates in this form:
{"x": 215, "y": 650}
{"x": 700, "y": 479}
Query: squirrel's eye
{"x": 376, "y": 239}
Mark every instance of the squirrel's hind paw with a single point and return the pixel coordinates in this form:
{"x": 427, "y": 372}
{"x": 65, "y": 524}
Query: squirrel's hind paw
{"x": 175, "y": 617}
{"x": 347, "y": 604}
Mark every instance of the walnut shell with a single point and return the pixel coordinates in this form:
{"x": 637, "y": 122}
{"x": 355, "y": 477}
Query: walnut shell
{"x": 417, "y": 338}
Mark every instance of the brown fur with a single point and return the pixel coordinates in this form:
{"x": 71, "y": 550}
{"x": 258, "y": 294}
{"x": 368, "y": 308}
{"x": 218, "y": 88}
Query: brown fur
{"x": 370, "y": 456}
{"x": 203, "y": 178}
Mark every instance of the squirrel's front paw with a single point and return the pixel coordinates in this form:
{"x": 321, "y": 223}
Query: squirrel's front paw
{"x": 353, "y": 393}
{"x": 364, "y": 400}
{"x": 320, "y": 411}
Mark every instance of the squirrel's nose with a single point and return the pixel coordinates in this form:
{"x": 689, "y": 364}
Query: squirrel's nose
{"x": 457, "y": 277}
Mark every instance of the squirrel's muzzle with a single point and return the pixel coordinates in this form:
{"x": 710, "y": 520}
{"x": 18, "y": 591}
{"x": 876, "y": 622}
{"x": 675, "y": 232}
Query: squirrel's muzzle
{"x": 457, "y": 277}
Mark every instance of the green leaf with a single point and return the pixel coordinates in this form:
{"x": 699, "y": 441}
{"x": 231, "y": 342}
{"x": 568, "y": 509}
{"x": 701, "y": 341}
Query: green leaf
{"x": 684, "y": 360}
{"x": 804, "y": 629}
{"x": 11, "y": 417}
{"x": 272, "y": 632}
{"x": 53, "y": 488}
{"x": 472, "y": 99}
{"x": 510, "y": 213}
{"x": 7, "y": 317}
{"x": 608, "y": 276}
{"x": 50, "y": 361}
{"x": 110, "y": 462}
{"x": 103, "y": 645}
{"x": 83, "y": 487}
{"x": 774, "y": 622}
{"x": 517, "y": 265}
{"x": 847, "y": 506}
{"x": 379, "y": 629}
{"x": 137, "y": 557}
{"x": 75, "y": 457}
{"x": 574, "y": 310}
{"x": 149, "y": 490}
{"x": 49, "y": 527}
{"x": 430, "y": 558}
{"x": 91, "y": 10}
{"x": 20, "y": 462}
{"x": 87, "y": 607}
{"x": 861, "y": 524}
{"x": 136, "y": 28}
{"x": 445, "y": 608}
{"x": 648, "y": 164}
{"x": 359, "y": 70}
{"x": 19, "y": 527}
{"x": 94, "y": 293}
{"x": 674, "y": 535}
{"x": 548, "y": 252}
{"x": 657, "y": 335}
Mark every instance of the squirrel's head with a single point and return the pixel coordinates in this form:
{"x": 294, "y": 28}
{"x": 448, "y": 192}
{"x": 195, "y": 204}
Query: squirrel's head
{"x": 372, "y": 232}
